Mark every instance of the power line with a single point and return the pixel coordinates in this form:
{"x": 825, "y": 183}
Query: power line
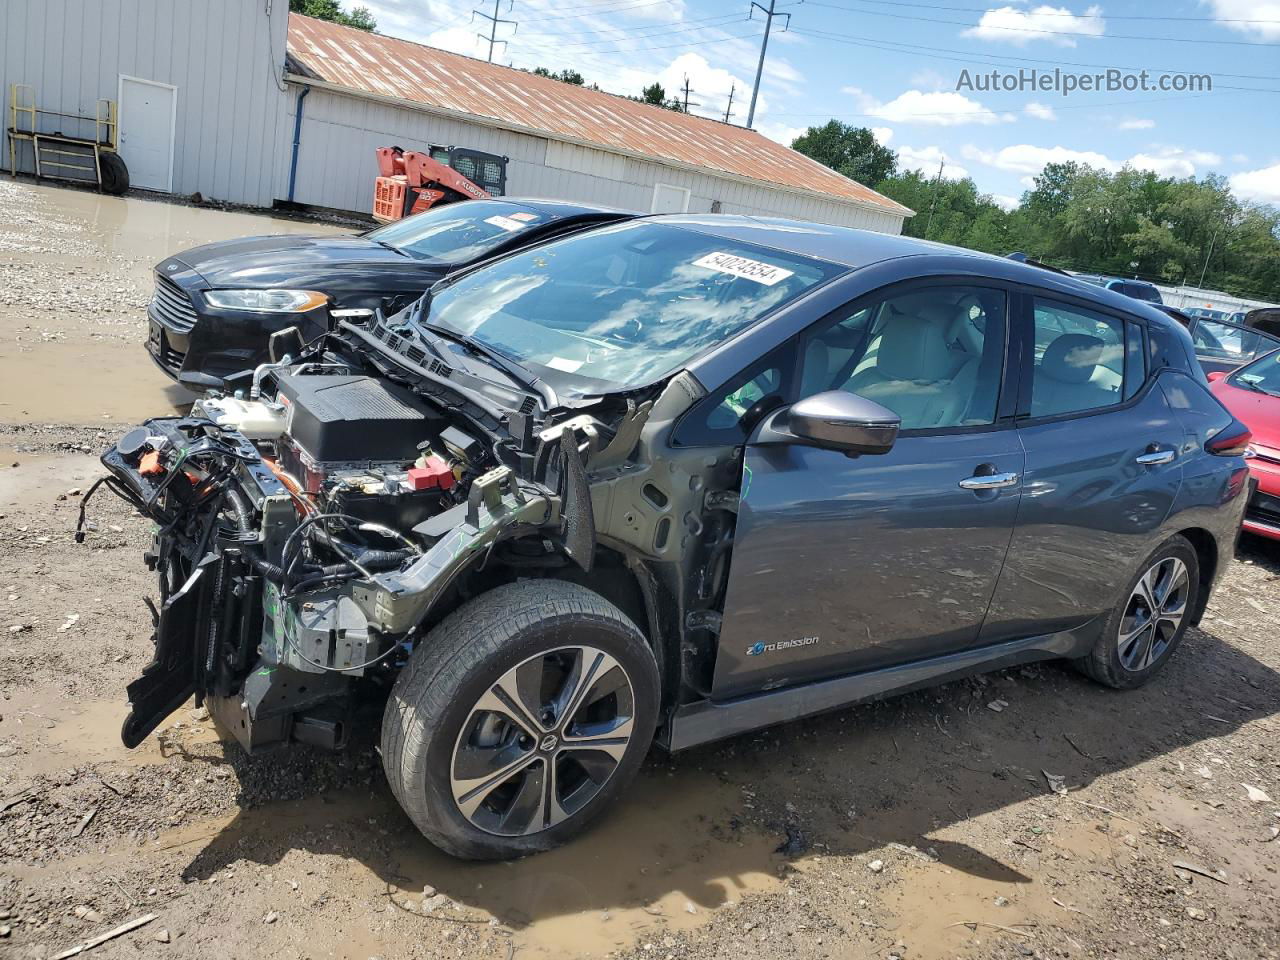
{"x": 764, "y": 45}
{"x": 1066, "y": 13}
{"x": 1046, "y": 33}
{"x": 934, "y": 53}
{"x": 968, "y": 55}
{"x": 493, "y": 25}
{"x": 626, "y": 40}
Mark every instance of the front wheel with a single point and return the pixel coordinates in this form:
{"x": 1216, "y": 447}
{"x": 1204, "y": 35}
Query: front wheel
{"x": 519, "y": 719}
{"x": 1150, "y": 620}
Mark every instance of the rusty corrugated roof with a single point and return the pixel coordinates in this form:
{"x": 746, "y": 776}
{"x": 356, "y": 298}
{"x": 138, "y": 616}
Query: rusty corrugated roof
{"x": 387, "y": 67}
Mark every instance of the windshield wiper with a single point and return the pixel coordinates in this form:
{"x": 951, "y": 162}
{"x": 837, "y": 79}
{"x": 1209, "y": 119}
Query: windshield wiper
{"x": 1252, "y": 385}
{"x": 496, "y": 358}
{"x": 389, "y": 246}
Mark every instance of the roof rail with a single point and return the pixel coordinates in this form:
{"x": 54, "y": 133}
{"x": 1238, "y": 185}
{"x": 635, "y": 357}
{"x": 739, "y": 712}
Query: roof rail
{"x": 1021, "y": 257}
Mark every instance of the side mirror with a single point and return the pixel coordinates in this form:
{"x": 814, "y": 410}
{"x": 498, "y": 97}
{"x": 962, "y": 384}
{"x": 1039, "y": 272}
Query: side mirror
{"x": 1216, "y": 375}
{"x": 837, "y": 420}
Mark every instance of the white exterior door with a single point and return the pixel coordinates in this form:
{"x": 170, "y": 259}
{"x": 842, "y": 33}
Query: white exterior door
{"x": 669, "y": 199}
{"x": 147, "y": 114}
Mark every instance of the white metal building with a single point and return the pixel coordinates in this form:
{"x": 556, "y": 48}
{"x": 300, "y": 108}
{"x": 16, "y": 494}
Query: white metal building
{"x": 240, "y": 101}
{"x": 202, "y": 104}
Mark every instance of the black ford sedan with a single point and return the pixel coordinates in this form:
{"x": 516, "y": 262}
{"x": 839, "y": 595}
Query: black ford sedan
{"x": 216, "y": 306}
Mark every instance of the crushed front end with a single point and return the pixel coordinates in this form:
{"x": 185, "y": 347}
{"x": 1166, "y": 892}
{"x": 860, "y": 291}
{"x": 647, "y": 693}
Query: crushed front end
{"x": 301, "y": 539}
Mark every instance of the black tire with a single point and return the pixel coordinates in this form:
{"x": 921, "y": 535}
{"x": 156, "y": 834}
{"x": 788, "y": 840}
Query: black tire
{"x": 461, "y": 661}
{"x": 115, "y": 175}
{"x": 1117, "y": 662}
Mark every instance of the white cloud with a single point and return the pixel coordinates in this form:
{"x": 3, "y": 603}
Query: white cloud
{"x": 1020, "y": 27}
{"x": 1257, "y": 18}
{"x": 936, "y": 108}
{"x": 1040, "y": 111}
{"x": 1262, "y": 186}
{"x": 1029, "y": 159}
{"x": 931, "y": 79}
{"x": 1174, "y": 161}
{"x": 1239, "y": 159}
{"x": 1005, "y": 202}
{"x": 1135, "y": 123}
{"x": 883, "y": 135}
{"x": 1028, "y": 182}
{"x": 710, "y": 87}
{"x": 926, "y": 160}
{"x": 779, "y": 132}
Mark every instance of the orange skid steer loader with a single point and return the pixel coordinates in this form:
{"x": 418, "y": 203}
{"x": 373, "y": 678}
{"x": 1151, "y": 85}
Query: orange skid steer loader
{"x": 411, "y": 181}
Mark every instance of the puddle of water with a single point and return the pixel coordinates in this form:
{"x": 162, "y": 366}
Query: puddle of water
{"x": 65, "y": 734}
{"x": 151, "y": 229}
{"x": 666, "y": 859}
{"x": 39, "y": 477}
{"x": 85, "y": 382}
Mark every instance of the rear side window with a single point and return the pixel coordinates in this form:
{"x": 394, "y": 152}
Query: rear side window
{"x": 1081, "y": 361}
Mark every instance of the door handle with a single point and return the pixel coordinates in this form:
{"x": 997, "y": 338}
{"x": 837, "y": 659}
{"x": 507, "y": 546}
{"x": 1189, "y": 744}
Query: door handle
{"x": 990, "y": 481}
{"x": 1156, "y": 457}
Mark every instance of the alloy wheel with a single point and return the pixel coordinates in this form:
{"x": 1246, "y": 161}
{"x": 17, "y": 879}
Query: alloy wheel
{"x": 542, "y": 741}
{"x": 1153, "y": 614}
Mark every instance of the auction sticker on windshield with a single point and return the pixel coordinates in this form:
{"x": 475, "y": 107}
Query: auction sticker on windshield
{"x": 506, "y": 223}
{"x": 764, "y": 273}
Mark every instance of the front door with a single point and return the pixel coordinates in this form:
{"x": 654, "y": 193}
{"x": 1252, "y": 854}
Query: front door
{"x": 842, "y": 564}
{"x": 146, "y": 132}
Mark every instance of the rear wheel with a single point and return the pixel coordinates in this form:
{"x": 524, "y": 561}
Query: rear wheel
{"x": 1150, "y": 620}
{"x": 519, "y": 719}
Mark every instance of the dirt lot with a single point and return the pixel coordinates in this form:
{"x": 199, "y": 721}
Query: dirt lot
{"x": 921, "y": 827}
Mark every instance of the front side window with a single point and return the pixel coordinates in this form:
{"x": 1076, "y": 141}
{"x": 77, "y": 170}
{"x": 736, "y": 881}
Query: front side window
{"x": 1080, "y": 360}
{"x": 934, "y": 356}
{"x": 625, "y": 305}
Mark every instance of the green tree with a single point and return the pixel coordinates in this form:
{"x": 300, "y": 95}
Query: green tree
{"x": 848, "y": 150}
{"x": 331, "y": 10}
{"x": 564, "y": 76}
{"x": 657, "y": 95}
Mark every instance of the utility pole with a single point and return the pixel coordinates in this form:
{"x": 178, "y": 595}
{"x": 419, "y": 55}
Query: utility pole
{"x": 686, "y": 90}
{"x": 1212, "y": 240}
{"x": 494, "y": 20}
{"x": 764, "y": 45}
{"x": 934, "y": 202}
{"x": 728, "y": 111}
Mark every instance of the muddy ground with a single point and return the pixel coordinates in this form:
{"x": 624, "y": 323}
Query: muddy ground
{"x": 925, "y": 826}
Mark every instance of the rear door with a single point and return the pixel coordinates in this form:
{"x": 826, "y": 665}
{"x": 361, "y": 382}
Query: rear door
{"x": 1101, "y": 470}
{"x": 842, "y": 564}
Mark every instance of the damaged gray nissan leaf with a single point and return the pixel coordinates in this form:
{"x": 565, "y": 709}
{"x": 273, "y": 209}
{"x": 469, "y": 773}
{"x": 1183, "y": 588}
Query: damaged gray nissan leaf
{"x": 673, "y": 480}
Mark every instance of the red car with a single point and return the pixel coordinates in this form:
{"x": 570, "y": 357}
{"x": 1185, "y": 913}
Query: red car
{"x": 1252, "y": 394}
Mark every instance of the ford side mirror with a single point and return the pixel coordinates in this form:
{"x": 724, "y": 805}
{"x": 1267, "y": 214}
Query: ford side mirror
{"x": 834, "y": 420}
{"x": 1215, "y": 375}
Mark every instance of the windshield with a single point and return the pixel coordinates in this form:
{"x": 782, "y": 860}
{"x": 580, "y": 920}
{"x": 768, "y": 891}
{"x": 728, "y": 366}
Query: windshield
{"x": 625, "y": 305}
{"x": 458, "y": 232}
{"x": 1263, "y": 374}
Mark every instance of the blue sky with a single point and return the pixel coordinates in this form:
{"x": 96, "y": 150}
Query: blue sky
{"x": 893, "y": 65}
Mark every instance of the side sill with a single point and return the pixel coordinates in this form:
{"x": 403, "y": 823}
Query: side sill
{"x": 706, "y": 721}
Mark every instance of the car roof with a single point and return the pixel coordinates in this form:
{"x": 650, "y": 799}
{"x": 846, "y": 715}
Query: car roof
{"x": 562, "y": 209}
{"x": 856, "y": 249}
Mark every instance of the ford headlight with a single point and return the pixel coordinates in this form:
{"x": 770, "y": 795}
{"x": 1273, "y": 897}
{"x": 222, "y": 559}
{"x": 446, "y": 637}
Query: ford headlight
{"x": 266, "y": 301}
